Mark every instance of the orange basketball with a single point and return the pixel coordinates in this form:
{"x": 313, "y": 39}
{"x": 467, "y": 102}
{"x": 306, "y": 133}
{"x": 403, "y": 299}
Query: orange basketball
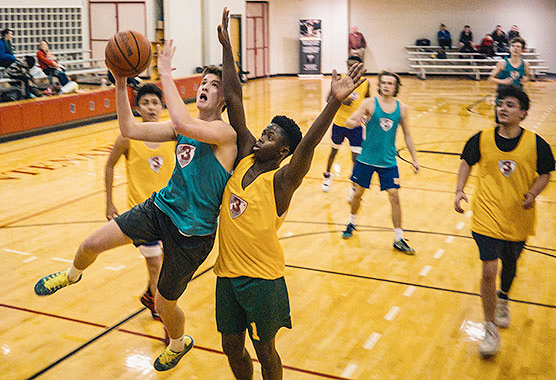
{"x": 128, "y": 53}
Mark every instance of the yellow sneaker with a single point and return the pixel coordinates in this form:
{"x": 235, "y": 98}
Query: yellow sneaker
{"x": 169, "y": 359}
{"x": 51, "y": 283}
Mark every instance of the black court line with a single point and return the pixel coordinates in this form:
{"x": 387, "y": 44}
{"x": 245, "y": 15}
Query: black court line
{"x": 410, "y": 284}
{"x": 56, "y": 224}
{"x": 109, "y": 329}
{"x": 363, "y": 227}
{"x": 439, "y": 152}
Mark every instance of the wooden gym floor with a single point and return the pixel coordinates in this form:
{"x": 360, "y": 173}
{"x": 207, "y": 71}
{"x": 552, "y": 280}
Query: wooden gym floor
{"x": 360, "y": 310}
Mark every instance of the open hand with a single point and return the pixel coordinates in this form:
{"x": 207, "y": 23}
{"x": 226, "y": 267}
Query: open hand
{"x": 223, "y": 35}
{"x": 165, "y": 56}
{"x": 341, "y": 88}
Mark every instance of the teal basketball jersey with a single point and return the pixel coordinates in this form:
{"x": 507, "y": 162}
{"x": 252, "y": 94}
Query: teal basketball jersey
{"x": 512, "y": 72}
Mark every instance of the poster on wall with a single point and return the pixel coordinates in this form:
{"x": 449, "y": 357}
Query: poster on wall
{"x": 309, "y": 46}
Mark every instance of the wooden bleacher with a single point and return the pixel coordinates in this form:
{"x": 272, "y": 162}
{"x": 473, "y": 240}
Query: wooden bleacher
{"x": 423, "y": 61}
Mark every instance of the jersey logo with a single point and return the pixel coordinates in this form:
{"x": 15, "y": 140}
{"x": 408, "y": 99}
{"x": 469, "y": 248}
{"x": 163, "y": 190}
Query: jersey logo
{"x": 514, "y": 75}
{"x": 237, "y": 206}
{"x": 507, "y": 167}
{"x": 156, "y": 162}
{"x": 386, "y": 124}
{"x": 184, "y": 154}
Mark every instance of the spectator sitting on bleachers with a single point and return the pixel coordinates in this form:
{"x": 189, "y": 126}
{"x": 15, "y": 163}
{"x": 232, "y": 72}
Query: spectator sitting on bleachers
{"x": 466, "y": 40}
{"x": 444, "y": 37}
{"x": 6, "y": 49}
{"x": 514, "y": 33}
{"x": 487, "y": 46}
{"x": 500, "y": 40}
{"x": 19, "y": 71}
{"x": 50, "y": 65}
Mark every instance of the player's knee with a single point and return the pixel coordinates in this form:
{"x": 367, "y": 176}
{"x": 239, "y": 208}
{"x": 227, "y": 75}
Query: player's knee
{"x": 91, "y": 245}
{"x": 394, "y": 197}
{"x": 233, "y": 348}
{"x": 162, "y": 305}
{"x": 266, "y": 352}
{"x": 490, "y": 269}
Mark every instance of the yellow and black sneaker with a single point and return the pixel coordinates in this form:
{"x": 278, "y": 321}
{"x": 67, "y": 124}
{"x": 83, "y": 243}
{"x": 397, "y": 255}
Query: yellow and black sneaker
{"x": 169, "y": 359}
{"x": 51, "y": 283}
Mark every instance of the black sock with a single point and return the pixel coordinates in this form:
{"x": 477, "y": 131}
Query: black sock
{"x": 502, "y": 295}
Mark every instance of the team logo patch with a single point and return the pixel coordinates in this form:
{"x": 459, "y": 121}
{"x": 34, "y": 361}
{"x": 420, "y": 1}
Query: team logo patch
{"x": 184, "y": 154}
{"x": 386, "y": 124}
{"x": 514, "y": 75}
{"x": 156, "y": 162}
{"x": 507, "y": 167}
{"x": 237, "y": 206}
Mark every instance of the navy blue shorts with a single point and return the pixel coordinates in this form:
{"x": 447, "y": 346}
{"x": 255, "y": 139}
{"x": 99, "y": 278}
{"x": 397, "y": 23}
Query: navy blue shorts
{"x": 362, "y": 174}
{"x": 492, "y": 248}
{"x": 354, "y": 136}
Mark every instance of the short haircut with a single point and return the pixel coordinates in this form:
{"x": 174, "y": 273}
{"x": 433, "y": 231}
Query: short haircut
{"x": 390, "y": 74}
{"x": 354, "y": 58}
{"x": 467, "y": 26}
{"x": 213, "y": 70}
{"x": 442, "y": 25}
{"x": 514, "y": 92}
{"x": 520, "y": 40}
{"x": 291, "y": 131}
{"x": 6, "y": 31}
{"x": 148, "y": 88}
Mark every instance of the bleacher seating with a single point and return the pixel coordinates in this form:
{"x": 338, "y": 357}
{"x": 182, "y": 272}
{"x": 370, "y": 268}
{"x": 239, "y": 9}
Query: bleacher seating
{"x": 423, "y": 60}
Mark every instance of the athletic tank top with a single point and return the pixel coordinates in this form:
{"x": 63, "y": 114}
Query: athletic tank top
{"x": 379, "y": 147}
{"x": 247, "y": 237}
{"x": 346, "y": 111}
{"x": 511, "y": 72}
{"x": 148, "y": 170}
{"x": 503, "y": 180}
{"x": 193, "y": 195}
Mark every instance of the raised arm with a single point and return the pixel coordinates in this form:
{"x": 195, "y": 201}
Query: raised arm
{"x": 131, "y": 128}
{"x": 408, "y": 138}
{"x": 291, "y": 175}
{"x": 232, "y": 91}
{"x": 212, "y": 132}
{"x": 121, "y": 147}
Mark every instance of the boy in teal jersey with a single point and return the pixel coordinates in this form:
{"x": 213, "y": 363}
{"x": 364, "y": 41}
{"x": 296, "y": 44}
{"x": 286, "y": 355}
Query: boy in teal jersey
{"x": 183, "y": 215}
{"x": 513, "y": 71}
{"x": 381, "y": 116}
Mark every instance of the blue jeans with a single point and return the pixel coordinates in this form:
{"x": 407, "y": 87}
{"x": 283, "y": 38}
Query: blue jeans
{"x": 53, "y": 72}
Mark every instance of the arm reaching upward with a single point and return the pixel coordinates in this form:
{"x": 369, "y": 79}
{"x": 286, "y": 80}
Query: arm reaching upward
{"x": 232, "y": 91}
{"x": 208, "y": 131}
{"x": 290, "y": 176}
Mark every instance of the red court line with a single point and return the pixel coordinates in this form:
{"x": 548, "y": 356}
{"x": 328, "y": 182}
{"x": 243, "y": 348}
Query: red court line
{"x": 301, "y": 370}
{"x": 57, "y": 206}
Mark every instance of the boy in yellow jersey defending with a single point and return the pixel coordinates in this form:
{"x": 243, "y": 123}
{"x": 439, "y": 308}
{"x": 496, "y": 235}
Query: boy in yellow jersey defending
{"x": 149, "y": 166}
{"x": 251, "y": 292}
{"x": 514, "y": 167}
{"x": 340, "y": 132}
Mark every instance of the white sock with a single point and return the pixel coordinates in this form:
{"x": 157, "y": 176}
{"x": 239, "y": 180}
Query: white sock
{"x": 352, "y": 218}
{"x": 74, "y": 273}
{"x": 398, "y": 234}
{"x": 177, "y": 345}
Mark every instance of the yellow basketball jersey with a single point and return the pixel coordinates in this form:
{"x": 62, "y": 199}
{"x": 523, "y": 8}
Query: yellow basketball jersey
{"x": 346, "y": 111}
{"x": 147, "y": 169}
{"x": 248, "y": 226}
{"x": 503, "y": 180}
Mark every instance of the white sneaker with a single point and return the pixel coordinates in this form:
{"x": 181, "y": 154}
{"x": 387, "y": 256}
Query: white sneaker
{"x": 491, "y": 343}
{"x": 326, "y": 182}
{"x": 502, "y": 315}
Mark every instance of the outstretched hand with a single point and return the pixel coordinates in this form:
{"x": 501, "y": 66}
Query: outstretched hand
{"x": 223, "y": 35}
{"x": 341, "y": 88}
{"x": 165, "y": 56}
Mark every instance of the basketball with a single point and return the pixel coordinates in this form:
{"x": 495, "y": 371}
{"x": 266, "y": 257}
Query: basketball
{"x": 128, "y": 53}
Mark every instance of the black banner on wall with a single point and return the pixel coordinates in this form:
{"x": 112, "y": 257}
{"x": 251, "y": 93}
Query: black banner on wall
{"x": 309, "y": 46}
